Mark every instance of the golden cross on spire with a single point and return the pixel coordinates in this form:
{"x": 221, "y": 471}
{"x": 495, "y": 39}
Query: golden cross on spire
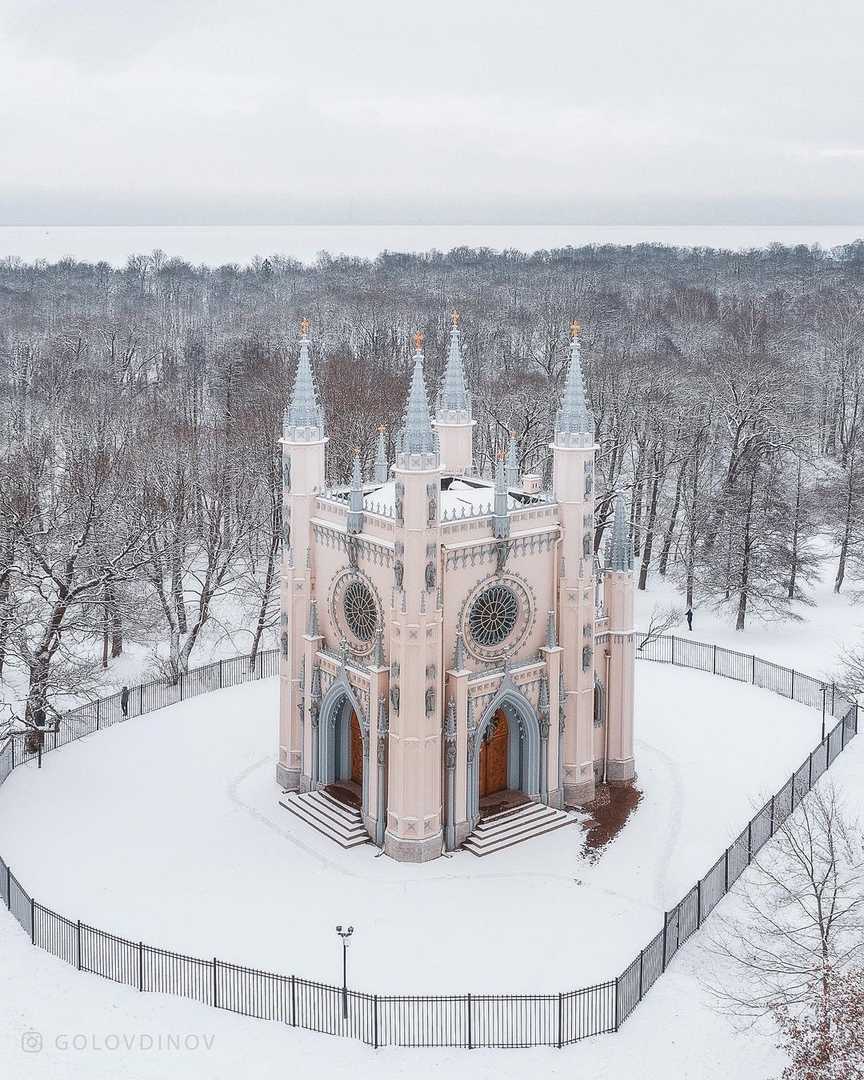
{"x": 418, "y": 340}
{"x": 304, "y": 326}
{"x": 382, "y": 430}
{"x": 575, "y": 327}
{"x": 454, "y": 315}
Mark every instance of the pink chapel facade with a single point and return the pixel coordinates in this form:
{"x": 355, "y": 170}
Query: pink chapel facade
{"x": 449, "y": 640}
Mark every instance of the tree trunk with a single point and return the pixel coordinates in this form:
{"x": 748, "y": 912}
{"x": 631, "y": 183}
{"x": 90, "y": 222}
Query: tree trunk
{"x": 847, "y": 526}
{"x": 796, "y": 528}
{"x": 744, "y": 589}
{"x": 673, "y": 518}
{"x": 649, "y": 530}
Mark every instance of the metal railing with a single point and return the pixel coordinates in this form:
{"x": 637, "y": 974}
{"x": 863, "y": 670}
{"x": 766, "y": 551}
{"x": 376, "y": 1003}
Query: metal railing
{"x": 458, "y": 1020}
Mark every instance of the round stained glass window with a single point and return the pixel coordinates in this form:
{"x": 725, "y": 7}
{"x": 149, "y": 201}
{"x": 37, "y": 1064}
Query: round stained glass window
{"x": 493, "y": 615}
{"x": 361, "y": 613}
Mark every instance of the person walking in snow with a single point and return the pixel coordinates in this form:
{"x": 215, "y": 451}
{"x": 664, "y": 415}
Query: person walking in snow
{"x": 689, "y": 614}
{"x": 124, "y": 701}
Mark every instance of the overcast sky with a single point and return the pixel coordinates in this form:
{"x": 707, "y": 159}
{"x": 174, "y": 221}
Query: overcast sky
{"x": 660, "y": 111}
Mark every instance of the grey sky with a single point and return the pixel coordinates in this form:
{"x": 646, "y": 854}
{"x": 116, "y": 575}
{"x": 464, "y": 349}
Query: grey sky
{"x": 663, "y": 111}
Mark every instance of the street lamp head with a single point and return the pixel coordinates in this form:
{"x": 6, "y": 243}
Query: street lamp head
{"x": 339, "y": 929}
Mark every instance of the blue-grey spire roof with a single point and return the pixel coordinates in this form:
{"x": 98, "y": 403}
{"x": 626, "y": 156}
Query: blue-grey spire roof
{"x": 500, "y": 518}
{"x": 417, "y": 436}
{"x": 304, "y": 419}
{"x": 619, "y": 553}
{"x": 574, "y": 419}
{"x": 382, "y": 466}
{"x": 454, "y": 398}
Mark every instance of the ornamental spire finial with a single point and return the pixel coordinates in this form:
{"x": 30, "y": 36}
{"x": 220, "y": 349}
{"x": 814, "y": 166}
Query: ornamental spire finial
{"x": 574, "y": 421}
{"x": 454, "y": 316}
{"x": 454, "y": 404}
{"x": 418, "y": 341}
{"x": 304, "y": 327}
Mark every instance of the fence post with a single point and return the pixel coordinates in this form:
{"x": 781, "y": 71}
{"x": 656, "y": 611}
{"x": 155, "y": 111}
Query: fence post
{"x": 641, "y": 965}
{"x": 293, "y": 984}
{"x": 714, "y": 671}
{"x": 699, "y": 903}
{"x": 470, "y": 1040}
{"x": 617, "y": 1023}
{"x": 753, "y": 670}
{"x": 180, "y": 680}
{"x": 141, "y": 966}
{"x": 220, "y": 674}
{"x": 375, "y": 1000}
{"x": 726, "y": 873}
{"x": 560, "y": 1020}
{"x": 792, "y": 695}
{"x": 772, "y": 816}
{"x": 749, "y": 841}
{"x": 665, "y": 931}
{"x": 32, "y": 921}
{"x": 215, "y": 984}
{"x": 810, "y": 773}
{"x": 13, "y": 750}
{"x": 673, "y": 648}
{"x": 98, "y": 705}
{"x": 78, "y": 944}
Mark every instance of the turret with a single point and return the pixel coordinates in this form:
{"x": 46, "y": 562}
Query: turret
{"x": 303, "y": 468}
{"x": 573, "y": 487}
{"x": 621, "y": 649}
{"x": 414, "y": 831}
{"x": 453, "y": 419}
{"x": 355, "y": 512}
{"x": 382, "y": 465}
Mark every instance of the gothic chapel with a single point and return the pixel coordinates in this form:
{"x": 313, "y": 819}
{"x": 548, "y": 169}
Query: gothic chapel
{"x": 456, "y": 666}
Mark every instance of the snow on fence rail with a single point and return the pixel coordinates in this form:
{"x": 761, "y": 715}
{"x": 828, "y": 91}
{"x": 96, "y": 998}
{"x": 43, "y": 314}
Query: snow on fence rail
{"x": 458, "y": 1020}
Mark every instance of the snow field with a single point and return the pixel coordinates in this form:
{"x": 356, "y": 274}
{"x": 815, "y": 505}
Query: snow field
{"x": 167, "y": 829}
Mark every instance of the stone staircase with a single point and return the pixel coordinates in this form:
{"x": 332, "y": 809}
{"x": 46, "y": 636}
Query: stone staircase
{"x": 328, "y": 816}
{"x": 513, "y": 826}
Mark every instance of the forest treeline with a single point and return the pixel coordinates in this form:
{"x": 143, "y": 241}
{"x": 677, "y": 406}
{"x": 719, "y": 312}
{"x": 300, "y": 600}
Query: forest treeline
{"x": 140, "y": 467}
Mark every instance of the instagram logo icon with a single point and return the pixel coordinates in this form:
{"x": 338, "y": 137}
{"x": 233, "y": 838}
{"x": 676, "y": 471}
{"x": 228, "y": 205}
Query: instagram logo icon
{"x": 31, "y": 1042}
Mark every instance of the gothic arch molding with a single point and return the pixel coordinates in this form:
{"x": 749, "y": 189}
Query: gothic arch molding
{"x": 524, "y": 751}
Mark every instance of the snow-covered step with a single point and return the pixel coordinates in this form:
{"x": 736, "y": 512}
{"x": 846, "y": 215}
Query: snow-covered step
{"x": 327, "y": 815}
{"x": 513, "y": 826}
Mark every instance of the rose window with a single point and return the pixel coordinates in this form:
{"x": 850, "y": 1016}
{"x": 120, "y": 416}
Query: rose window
{"x": 361, "y": 613}
{"x": 493, "y": 615}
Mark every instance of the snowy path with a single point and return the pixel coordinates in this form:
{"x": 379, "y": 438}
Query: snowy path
{"x": 175, "y": 837}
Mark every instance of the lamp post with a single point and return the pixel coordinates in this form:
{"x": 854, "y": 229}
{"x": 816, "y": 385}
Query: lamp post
{"x": 345, "y": 935}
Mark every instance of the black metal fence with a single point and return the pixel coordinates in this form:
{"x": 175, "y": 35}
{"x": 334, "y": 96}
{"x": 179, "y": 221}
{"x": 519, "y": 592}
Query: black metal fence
{"x": 458, "y": 1020}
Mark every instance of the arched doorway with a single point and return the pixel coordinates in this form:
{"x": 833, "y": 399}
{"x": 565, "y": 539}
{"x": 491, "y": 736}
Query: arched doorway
{"x": 341, "y": 760}
{"x": 505, "y": 767}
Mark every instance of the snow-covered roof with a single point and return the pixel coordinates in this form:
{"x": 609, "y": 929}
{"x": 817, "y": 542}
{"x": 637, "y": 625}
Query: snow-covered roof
{"x": 469, "y": 496}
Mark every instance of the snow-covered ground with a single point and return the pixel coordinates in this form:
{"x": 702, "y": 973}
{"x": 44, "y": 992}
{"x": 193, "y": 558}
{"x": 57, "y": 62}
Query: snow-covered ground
{"x": 187, "y": 847}
{"x": 729, "y": 745}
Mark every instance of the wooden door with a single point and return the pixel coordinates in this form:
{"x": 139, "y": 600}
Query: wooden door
{"x": 493, "y": 757}
{"x": 356, "y": 750}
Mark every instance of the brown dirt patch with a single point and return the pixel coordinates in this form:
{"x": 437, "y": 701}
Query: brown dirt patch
{"x": 607, "y": 814}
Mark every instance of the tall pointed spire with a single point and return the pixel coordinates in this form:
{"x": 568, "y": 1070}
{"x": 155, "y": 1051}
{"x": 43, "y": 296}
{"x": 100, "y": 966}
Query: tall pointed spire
{"x": 304, "y": 419}
{"x": 500, "y": 518}
{"x": 454, "y": 402}
{"x": 355, "y": 504}
{"x": 513, "y": 461}
{"x": 619, "y": 553}
{"x": 417, "y": 436}
{"x": 574, "y": 424}
{"x": 382, "y": 466}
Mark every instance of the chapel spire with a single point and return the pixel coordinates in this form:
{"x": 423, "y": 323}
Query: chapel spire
{"x": 417, "y": 436}
{"x": 304, "y": 419}
{"x": 574, "y": 424}
{"x": 382, "y": 465}
{"x": 619, "y": 553}
{"x": 454, "y": 403}
{"x": 355, "y": 496}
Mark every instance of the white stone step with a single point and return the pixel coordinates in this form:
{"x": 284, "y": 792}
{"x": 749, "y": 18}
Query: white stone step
{"x": 514, "y": 827}
{"x": 520, "y": 813}
{"x": 345, "y": 828}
